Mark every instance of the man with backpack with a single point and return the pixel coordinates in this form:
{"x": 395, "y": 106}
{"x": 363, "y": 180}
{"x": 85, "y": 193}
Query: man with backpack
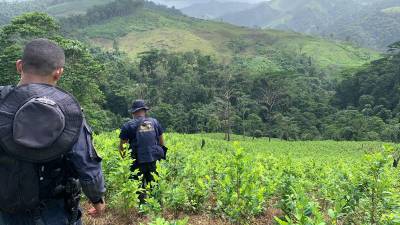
{"x": 145, "y": 137}
{"x": 46, "y": 151}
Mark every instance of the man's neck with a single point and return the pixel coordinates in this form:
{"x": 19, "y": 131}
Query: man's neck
{"x": 36, "y": 79}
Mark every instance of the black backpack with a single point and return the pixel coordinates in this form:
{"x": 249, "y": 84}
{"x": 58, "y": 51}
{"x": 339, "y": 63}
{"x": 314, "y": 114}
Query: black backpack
{"x": 147, "y": 147}
{"x": 19, "y": 190}
{"x": 21, "y": 180}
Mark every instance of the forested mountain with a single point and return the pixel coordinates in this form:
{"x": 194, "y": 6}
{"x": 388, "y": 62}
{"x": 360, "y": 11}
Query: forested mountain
{"x": 142, "y": 26}
{"x": 214, "y": 9}
{"x": 204, "y": 76}
{"x": 261, "y": 14}
{"x": 372, "y": 23}
{"x": 149, "y": 27}
{"x": 10, "y": 9}
{"x": 376, "y": 25}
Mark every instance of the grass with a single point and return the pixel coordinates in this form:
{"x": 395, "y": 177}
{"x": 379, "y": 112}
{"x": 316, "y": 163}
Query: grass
{"x": 173, "y": 39}
{"x": 326, "y": 52}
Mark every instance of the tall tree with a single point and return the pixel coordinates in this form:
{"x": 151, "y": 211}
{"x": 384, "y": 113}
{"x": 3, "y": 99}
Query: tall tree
{"x": 83, "y": 73}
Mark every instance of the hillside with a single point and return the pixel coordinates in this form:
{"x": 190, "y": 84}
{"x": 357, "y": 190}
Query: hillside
{"x": 377, "y": 25}
{"x": 213, "y": 9}
{"x": 10, "y": 9}
{"x": 58, "y": 8}
{"x": 73, "y": 7}
{"x": 308, "y": 16}
{"x": 151, "y": 28}
{"x": 374, "y": 23}
{"x": 261, "y": 16}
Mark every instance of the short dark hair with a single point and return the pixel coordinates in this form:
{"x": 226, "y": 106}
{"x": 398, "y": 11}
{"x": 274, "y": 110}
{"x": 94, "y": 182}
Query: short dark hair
{"x": 42, "y": 57}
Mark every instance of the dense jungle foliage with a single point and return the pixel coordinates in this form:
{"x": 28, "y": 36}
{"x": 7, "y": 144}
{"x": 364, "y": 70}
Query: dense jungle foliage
{"x": 194, "y": 92}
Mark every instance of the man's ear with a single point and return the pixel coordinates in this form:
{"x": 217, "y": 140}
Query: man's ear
{"x": 57, "y": 74}
{"x": 19, "y": 65}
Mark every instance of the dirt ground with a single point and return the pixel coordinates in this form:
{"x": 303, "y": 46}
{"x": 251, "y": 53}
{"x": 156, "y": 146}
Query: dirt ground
{"x": 134, "y": 218}
{"x": 112, "y": 218}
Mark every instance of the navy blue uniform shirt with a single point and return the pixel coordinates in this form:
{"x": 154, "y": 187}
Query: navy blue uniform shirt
{"x": 149, "y": 150}
{"x": 87, "y": 164}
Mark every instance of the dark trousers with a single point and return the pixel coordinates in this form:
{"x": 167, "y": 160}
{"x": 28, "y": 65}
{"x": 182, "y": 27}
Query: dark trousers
{"x": 146, "y": 170}
{"x": 52, "y": 214}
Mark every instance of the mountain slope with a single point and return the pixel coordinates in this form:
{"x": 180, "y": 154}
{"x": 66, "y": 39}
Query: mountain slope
{"x": 155, "y": 27}
{"x": 302, "y": 15}
{"x": 214, "y": 9}
{"x": 150, "y": 29}
{"x": 59, "y": 8}
{"x": 374, "y": 23}
{"x": 74, "y": 7}
{"x": 377, "y": 25}
{"x": 10, "y": 9}
{"x": 262, "y": 14}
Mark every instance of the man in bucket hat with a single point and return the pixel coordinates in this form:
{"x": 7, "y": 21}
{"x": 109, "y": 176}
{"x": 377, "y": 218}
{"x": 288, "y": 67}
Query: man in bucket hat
{"x": 46, "y": 151}
{"x": 145, "y": 137}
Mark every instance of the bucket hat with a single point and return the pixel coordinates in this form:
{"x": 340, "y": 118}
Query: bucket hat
{"x": 138, "y": 105}
{"x": 39, "y": 122}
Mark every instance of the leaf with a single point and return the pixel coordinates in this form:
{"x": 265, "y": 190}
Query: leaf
{"x": 332, "y": 213}
{"x": 281, "y": 222}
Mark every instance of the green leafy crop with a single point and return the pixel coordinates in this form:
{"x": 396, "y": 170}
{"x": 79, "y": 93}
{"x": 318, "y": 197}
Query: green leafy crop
{"x": 302, "y": 183}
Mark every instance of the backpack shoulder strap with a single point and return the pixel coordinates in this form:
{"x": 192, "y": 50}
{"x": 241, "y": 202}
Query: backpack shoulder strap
{"x": 5, "y": 90}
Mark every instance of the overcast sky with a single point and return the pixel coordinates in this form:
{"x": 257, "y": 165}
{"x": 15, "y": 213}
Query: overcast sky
{"x": 183, "y": 3}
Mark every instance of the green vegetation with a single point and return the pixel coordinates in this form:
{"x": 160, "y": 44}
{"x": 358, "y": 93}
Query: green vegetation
{"x": 278, "y": 95}
{"x": 83, "y": 72}
{"x": 293, "y": 182}
{"x": 136, "y": 26}
{"x": 258, "y": 87}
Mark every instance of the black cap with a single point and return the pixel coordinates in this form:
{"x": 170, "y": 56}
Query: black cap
{"x": 138, "y": 105}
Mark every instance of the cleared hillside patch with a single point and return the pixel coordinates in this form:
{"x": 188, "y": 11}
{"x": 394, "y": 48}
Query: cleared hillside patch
{"x": 172, "y": 39}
